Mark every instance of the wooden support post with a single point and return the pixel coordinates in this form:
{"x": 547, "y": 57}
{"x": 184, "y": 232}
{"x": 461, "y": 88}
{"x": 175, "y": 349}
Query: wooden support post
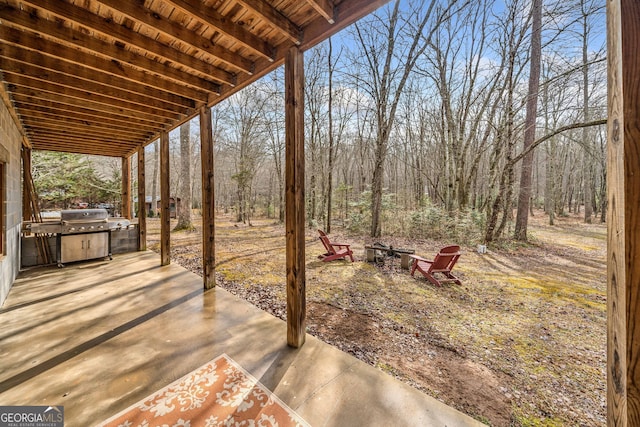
{"x": 126, "y": 187}
{"x": 165, "y": 220}
{"x": 26, "y": 187}
{"x": 208, "y": 199}
{"x": 294, "y": 196}
{"x": 142, "y": 202}
{"x": 623, "y": 221}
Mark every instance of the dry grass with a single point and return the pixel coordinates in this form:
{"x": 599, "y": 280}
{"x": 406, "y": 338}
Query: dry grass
{"x": 529, "y": 322}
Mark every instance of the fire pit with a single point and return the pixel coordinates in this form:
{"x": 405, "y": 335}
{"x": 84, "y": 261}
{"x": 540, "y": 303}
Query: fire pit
{"x": 81, "y": 234}
{"x": 379, "y": 252}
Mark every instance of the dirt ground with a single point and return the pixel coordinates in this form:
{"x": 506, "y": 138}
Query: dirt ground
{"x": 521, "y": 342}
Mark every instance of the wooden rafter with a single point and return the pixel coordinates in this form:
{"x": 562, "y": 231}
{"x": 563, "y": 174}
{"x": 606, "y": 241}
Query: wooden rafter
{"x": 99, "y": 86}
{"x": 126, "y": 36}
{"x": 324, "y": 8}
{"x": 50, "y": 91}
{"x": 32, "y": 64}
{"x": 274, "y": 18}
{"x": 172, "y": 29}
{"x": 158, "y": 75}
{"x": 70, "y": 109}
{"x": 214, "y": 19}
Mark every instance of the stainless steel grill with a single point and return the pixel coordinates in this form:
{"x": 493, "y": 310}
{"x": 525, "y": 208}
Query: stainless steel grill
{"x": 81, "y": 234}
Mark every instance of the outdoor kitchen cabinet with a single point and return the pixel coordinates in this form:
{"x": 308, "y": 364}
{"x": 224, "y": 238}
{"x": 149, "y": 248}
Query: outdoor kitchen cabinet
{"x": 80, "y": 247}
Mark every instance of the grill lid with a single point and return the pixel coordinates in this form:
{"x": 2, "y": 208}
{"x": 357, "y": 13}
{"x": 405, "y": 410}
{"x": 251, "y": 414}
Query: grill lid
{"x": 84, "y": 215}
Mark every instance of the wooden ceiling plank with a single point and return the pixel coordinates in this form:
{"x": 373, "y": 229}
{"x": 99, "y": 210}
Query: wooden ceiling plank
{"x": 41, "y": 61}
{"x": 77, "y": 125}
{"x": 111, "y": 57}
{"x": 63, "y": 124}
{"x": 27, "y": 103}
{"x": 56, "y": 90}
{"x": 75, "y": 120}
{"x": 276, "y": 19}
{"x": 324, "y": 8}
{"x": 82, "y": 136}
{"x": 11, "y": 66}
{"x": 97, "y": 107}
{"x": 174, "y": 30}
{"x": 124, "y": 35}
{"x": 222, "y": 24}
{"x": 78, "y": 142}
{"x": 63, "y": 134}
{"x": 98, "y": 150}
{"x": 61, "y": 138}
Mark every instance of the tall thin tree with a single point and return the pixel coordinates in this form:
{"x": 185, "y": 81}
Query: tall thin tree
{"x": 524, "y": 196}
{"x": 184, "y": 206}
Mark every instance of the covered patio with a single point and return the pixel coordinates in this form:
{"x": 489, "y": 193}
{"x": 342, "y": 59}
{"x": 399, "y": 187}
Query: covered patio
{"x": 109, "y": 77}
{"x": 99, "y": 336}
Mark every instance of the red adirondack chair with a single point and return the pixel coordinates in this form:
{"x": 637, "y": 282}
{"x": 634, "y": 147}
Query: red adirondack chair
{"x": 334, "y": 250}
{"x": 443, "y": 263}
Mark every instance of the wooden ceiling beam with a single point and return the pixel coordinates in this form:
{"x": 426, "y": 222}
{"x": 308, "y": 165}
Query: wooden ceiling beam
{"x": 79, "y": 139}
{"x": 126, "y": 36}
{"x": 72, "y": 134}
{"x": 324, "y": 8}
{"x": 277, "y": 20}
{"x": 28, "y": 103}
{"x": 64, "y": 134}
{"x": 75, "y": 120}
{"x": 99, "y": 86}
{"x": 80, "y": 148}
{"x": 84, "y": 97}
{"x": 224, "y": 25}
{"x": 61, "y": 65}
{"x": 62, "y": 123}
{"x": 113, "y": 59}
{"x": 38, "y": 96}
{"x": 176, "y": 31}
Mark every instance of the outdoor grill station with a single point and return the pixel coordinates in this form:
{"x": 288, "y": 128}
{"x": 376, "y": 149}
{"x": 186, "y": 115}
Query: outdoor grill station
{"x": 81, "y": 234}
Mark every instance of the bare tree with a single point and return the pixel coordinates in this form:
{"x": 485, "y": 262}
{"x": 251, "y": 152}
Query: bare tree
{"x": 274, "y": 122}
{"x": 245, "y": 136}
{"x": 184, "y": 192}
{"x": 390, "y": 46}
{"x": 522, "y": 217}
{"x": 154, "y": 179}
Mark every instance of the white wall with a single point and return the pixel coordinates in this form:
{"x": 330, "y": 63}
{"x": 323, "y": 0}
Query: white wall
{"x": 10, "y": 144}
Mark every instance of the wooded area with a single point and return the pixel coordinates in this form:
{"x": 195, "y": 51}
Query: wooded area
{"x": 415, "y": 117}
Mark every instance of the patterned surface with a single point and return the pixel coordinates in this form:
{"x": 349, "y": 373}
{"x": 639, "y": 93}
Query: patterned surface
{"x": 219, "y": 393}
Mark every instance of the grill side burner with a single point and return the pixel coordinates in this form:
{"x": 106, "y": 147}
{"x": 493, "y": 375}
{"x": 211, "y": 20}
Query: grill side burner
{"x": 81, "y": 234}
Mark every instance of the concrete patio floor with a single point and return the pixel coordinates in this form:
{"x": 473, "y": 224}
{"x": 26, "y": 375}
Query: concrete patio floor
{"x": 98, "y": 336}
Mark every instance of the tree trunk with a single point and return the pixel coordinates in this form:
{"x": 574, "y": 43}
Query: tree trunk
{"x": 184, "y": 207}
{"x": 331, "y": 142}
{"x": 154, "y": 180}
{"x": 586, "y": 166}
{"x": 522, "y": 217}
